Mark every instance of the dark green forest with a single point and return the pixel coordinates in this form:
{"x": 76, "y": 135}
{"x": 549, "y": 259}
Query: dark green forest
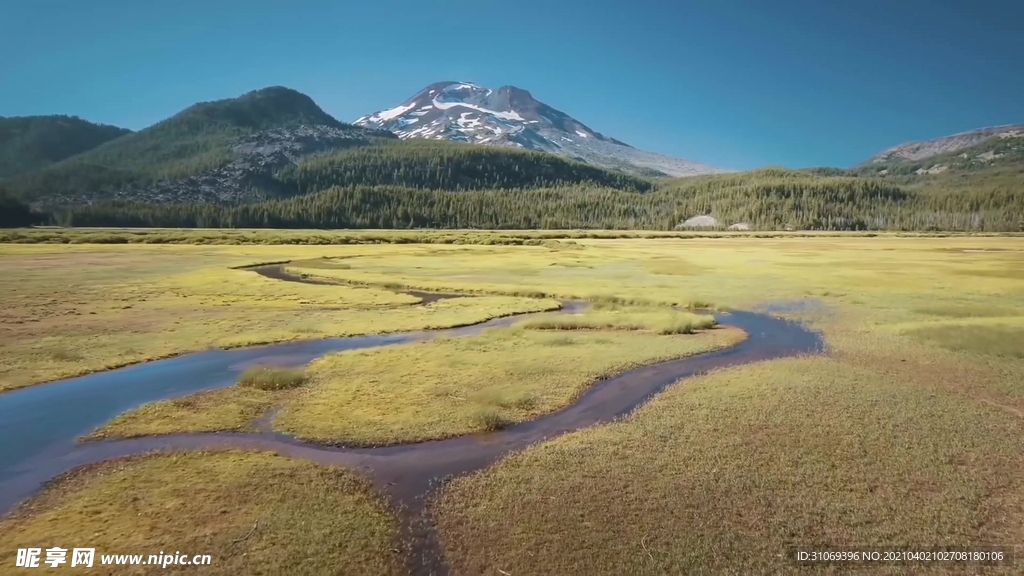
{"x": 16, "y": 214}
{"x": 31, "y": 143}
{"x": 440, "y": 165}
{"x": 767, "y": 200}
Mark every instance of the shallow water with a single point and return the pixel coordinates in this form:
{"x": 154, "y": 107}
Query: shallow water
{"x": 40, "y": 423}
{"x": 47, "y": 418}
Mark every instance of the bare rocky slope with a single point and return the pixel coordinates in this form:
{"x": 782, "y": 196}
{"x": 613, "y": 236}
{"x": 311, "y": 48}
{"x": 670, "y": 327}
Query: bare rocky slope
{"x": 914, "y": 151}
{"x": 257, "y": 158}
{"x": 510, "y": 116}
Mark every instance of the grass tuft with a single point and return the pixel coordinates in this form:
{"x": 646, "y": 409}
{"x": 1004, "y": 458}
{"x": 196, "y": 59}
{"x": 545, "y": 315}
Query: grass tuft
{"x": 490, "y": 419}
{"x": 689, "y": 326}
{"x": 272, "y": 378}
{"x": 186, "y": 403}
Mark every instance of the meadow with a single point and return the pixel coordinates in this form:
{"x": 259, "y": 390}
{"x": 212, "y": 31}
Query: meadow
{"x": 907, "y": 430}
{"x": 252, "y": 512}
{"x": 80, "y": 309}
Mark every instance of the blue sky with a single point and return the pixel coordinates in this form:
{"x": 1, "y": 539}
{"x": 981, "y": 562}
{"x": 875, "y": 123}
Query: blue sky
{"x": 733, "y": 83}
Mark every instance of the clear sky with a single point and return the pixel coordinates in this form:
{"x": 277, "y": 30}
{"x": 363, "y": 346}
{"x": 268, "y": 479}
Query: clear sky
{"x": 733, "y": 83}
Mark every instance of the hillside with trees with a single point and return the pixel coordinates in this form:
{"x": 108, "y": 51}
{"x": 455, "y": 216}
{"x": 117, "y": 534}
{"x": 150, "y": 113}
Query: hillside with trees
{"x": 197, "y": 141}
{"x": 31, "y": 143}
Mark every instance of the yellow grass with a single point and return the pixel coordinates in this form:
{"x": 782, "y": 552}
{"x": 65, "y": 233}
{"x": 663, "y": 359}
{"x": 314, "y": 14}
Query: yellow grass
{"x": 721, "y": 474}
{"x": 254, "y": 513}
{"x": 454, "y": 386}
{"x": 235, "y": 408}
{"x": 907, "y": 433}
{"x": 71, "y": 310}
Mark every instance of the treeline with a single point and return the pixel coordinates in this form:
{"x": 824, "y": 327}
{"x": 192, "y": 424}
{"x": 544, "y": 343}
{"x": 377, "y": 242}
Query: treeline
{"x": 438, "y": 165}
{"x": 763, "y": 202}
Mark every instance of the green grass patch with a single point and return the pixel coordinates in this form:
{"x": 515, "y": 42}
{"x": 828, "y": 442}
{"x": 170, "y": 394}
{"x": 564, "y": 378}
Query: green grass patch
{"x": 615, "y": 316}
{"x": 234, "y": 408}
{"x": 993, "y": 340}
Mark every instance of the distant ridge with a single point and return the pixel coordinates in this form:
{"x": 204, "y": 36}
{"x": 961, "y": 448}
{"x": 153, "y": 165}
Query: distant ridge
{"x": 921, "y": 150}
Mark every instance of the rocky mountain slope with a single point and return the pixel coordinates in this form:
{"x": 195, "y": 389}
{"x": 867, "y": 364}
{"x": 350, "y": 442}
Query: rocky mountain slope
{"x": 914, "y": 151}
{"x": 510, "y": 116}
{"x": 979, "y": 159}
{"x": 30, "y": 143}
{"x": 251, "y": 174}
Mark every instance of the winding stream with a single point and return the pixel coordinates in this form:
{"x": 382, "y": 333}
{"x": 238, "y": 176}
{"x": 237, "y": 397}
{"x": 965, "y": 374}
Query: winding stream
{"x": 39, "y": 424}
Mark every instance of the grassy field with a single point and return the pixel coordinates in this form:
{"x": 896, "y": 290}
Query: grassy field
{"x": 443, "y": 387}
{"x": 908, "y": 431}
{"x": 254, "y": 513}
{"x": 720, "y": 475}
{"x": 76, "y": 309}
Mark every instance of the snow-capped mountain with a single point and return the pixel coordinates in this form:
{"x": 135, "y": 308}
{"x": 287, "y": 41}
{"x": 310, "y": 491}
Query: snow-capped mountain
{"x": 510, "y": 116}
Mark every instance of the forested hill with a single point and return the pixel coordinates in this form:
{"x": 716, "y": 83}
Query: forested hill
{"x": 230, "y": 145}
{"x": 281, "y": 163}
{"x": 31, "y": 143}
{"x": 766, "y": 200}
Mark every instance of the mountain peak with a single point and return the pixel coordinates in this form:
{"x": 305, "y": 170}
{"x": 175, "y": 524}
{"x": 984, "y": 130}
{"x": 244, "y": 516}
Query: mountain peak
{"x": 511, "y": 116}
{"x": 268, "y": 107}
{"x": 516, "y": 90}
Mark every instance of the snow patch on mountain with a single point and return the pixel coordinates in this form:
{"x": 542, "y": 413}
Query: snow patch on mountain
{"x": 510, "y": 116}
{"x": 446, "y": 105}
